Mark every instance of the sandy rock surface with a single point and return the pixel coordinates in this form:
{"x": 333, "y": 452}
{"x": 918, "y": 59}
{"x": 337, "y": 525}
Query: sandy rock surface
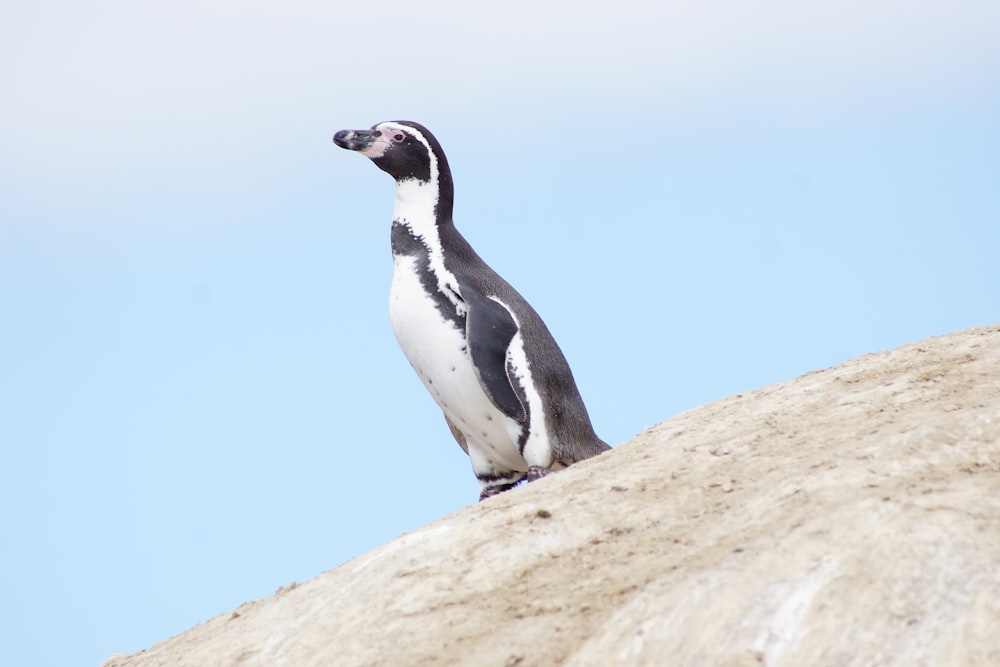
{"x": 848, "y": 517}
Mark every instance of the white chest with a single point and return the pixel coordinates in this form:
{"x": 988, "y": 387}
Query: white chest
{"x": 437, "y": 350}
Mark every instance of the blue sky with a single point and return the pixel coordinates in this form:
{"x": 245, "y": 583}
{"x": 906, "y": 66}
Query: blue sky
{"x": 200, "y": 396}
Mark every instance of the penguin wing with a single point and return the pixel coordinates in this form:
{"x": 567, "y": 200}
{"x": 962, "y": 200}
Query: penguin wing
{"x": 489, "y": 329}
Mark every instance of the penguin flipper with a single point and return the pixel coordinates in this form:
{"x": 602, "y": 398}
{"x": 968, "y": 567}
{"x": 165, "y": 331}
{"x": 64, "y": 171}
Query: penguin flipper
{"x": 489, "y": 329}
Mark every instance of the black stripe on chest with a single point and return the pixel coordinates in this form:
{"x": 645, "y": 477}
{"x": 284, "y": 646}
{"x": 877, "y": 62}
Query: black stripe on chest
{"x": 405, "y": 243}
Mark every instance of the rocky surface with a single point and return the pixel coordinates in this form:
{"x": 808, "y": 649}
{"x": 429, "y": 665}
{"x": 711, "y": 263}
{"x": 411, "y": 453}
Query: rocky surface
{"x": 848, "y": 517}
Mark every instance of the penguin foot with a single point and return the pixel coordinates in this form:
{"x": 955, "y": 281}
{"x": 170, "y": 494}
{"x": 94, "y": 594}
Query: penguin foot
{"x": 491, "y": 491}
{"x": 536, "y": 473}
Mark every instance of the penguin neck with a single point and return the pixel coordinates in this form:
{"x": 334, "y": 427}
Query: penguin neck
{"x": 422, "y": 227}
{"x": 424, "y": 206}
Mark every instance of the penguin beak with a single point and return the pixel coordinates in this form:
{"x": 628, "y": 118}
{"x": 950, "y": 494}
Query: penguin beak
{"x": 356, "y": 140}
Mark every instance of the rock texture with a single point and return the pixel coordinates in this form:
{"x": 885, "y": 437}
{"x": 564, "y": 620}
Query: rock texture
{"x": 847, "y": 517}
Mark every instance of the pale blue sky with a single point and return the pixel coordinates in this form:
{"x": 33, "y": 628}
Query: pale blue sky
{"x": 200, "y": 396}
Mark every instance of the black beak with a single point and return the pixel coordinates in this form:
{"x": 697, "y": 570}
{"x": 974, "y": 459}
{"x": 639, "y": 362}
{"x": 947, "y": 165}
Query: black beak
{"x": 356, "y": 140}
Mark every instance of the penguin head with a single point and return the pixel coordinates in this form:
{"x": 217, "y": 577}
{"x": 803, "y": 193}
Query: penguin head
{"x": 403, "y": 149}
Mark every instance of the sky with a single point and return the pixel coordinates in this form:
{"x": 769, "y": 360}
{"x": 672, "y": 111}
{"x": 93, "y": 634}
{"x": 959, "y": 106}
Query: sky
{"x": 201, "y": 399}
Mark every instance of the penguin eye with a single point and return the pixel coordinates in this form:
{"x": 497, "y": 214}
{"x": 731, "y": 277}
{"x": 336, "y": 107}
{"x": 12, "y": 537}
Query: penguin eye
{"x": 398, "y": 136}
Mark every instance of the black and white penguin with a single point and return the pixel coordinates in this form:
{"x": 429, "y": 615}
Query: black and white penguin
{"x": 481, "y": 350}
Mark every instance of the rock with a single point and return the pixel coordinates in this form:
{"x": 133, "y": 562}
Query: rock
{"x": 848, "y": 517}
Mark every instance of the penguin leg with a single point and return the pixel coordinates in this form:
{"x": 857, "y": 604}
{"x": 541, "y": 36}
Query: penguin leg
{"x": 490, "y": 491}
{"x": 498, "y": 484}
{"x": 492, "y": 478}
{"x": 537, "y": 472}
{"x": 537, "y": 452}
{"x": 493, "y": 483}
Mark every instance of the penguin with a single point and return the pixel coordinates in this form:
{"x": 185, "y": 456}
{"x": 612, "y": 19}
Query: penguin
{"x": 486, "y": 357}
